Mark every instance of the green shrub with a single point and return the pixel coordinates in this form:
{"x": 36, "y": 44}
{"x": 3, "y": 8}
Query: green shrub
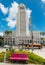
{"x": 8, "y": 53}
{"x": 21, "y": 51}
{"x": 1, "y": 57}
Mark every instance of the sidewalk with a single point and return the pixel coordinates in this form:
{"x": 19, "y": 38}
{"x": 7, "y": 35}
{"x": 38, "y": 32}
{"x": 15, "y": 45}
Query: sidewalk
{"x": 40, "y": 52}
{"x": 17, "y": 64}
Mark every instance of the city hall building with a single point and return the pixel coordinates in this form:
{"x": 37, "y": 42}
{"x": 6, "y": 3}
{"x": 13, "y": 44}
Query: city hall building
{"x": 20, "y": 36}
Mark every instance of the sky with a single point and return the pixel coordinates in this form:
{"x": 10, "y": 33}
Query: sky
{"x": 34, "y": 8}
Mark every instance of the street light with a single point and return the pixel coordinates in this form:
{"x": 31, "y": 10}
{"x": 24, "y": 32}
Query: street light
{"x": 31, "y": 28}
{"x": 5, "y": 56}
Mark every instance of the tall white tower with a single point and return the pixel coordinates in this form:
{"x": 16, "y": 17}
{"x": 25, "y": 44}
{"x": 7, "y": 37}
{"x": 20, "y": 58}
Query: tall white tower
{"x": 21, "y": 29}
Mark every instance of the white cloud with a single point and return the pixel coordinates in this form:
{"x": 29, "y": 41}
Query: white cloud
{"x": 43, "y": 1}
{"x": 11, "y": 19}
{"x": 29, "y": 13}
{"x": 3, "y": 8}
{"x": 1, "y": 33}
{"x": 28, "y": 16}
{"x": 12, "y": 23}
{"x": 12, "y": 15}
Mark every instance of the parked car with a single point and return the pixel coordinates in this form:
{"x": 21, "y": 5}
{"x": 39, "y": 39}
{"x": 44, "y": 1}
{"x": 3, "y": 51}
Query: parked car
{"x": 6, "y": 46}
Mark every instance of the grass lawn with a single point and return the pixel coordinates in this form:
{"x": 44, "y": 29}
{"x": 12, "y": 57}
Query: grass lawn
{"x": 33, "y": 58}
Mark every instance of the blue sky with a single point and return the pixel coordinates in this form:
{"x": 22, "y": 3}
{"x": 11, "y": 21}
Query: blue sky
{"x": 8, "y": 19}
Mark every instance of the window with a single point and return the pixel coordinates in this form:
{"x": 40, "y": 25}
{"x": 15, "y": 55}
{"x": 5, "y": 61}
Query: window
{"x": 30, "y": 41}
{"x": 13, "y": 41}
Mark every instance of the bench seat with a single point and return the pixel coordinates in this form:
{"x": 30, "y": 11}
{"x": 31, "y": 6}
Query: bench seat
{"x": 18, "y": 58}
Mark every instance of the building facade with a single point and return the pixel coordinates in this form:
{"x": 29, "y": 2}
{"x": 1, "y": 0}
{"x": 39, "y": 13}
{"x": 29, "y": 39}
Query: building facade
{"x": 42, "y": 34}
{"x": 20, "y": 35}
{"x": 21, "y": 27}
{"x": 9, "y": 38}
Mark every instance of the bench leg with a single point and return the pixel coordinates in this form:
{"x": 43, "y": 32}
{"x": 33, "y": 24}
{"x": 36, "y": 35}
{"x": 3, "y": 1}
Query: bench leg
{"x": 19, "y": 61}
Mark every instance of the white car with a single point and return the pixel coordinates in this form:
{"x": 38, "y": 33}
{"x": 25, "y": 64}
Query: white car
{"x": 6, "y": 46}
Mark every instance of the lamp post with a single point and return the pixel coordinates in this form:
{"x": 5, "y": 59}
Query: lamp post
{"x": 5, "y": 56}
{"x": 31, "y": 28}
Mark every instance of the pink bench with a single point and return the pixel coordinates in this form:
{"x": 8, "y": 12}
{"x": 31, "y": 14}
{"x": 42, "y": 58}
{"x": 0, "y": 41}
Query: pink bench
{"x": 15, "y": 56}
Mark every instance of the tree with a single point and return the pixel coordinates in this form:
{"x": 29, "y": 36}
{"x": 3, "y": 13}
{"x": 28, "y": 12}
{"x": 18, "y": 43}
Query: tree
{"x": 7, "y": 32}
{"x": 1, "y": 40}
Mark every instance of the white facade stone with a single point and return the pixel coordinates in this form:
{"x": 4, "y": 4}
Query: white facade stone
{"x": 21, "y": 21}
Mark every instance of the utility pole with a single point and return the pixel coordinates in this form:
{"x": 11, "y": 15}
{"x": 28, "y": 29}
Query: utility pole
{"x": 31, "y": 28}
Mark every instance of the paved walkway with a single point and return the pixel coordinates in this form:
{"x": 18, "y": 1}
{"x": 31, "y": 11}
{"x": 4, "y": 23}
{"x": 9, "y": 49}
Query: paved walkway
{"x": 40, "y": 52}
{"x": 16, "y": 64}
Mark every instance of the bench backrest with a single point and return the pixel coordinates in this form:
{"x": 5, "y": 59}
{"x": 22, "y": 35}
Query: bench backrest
{"x": 19, "y": 55}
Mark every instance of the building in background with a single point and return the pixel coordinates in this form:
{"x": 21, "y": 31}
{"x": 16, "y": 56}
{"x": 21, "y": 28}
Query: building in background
{"x": 42, "y": 34}
{"x": 9, "y": 37}
{"x": 21, "y": 29}
{"x": 20, "y": 35}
